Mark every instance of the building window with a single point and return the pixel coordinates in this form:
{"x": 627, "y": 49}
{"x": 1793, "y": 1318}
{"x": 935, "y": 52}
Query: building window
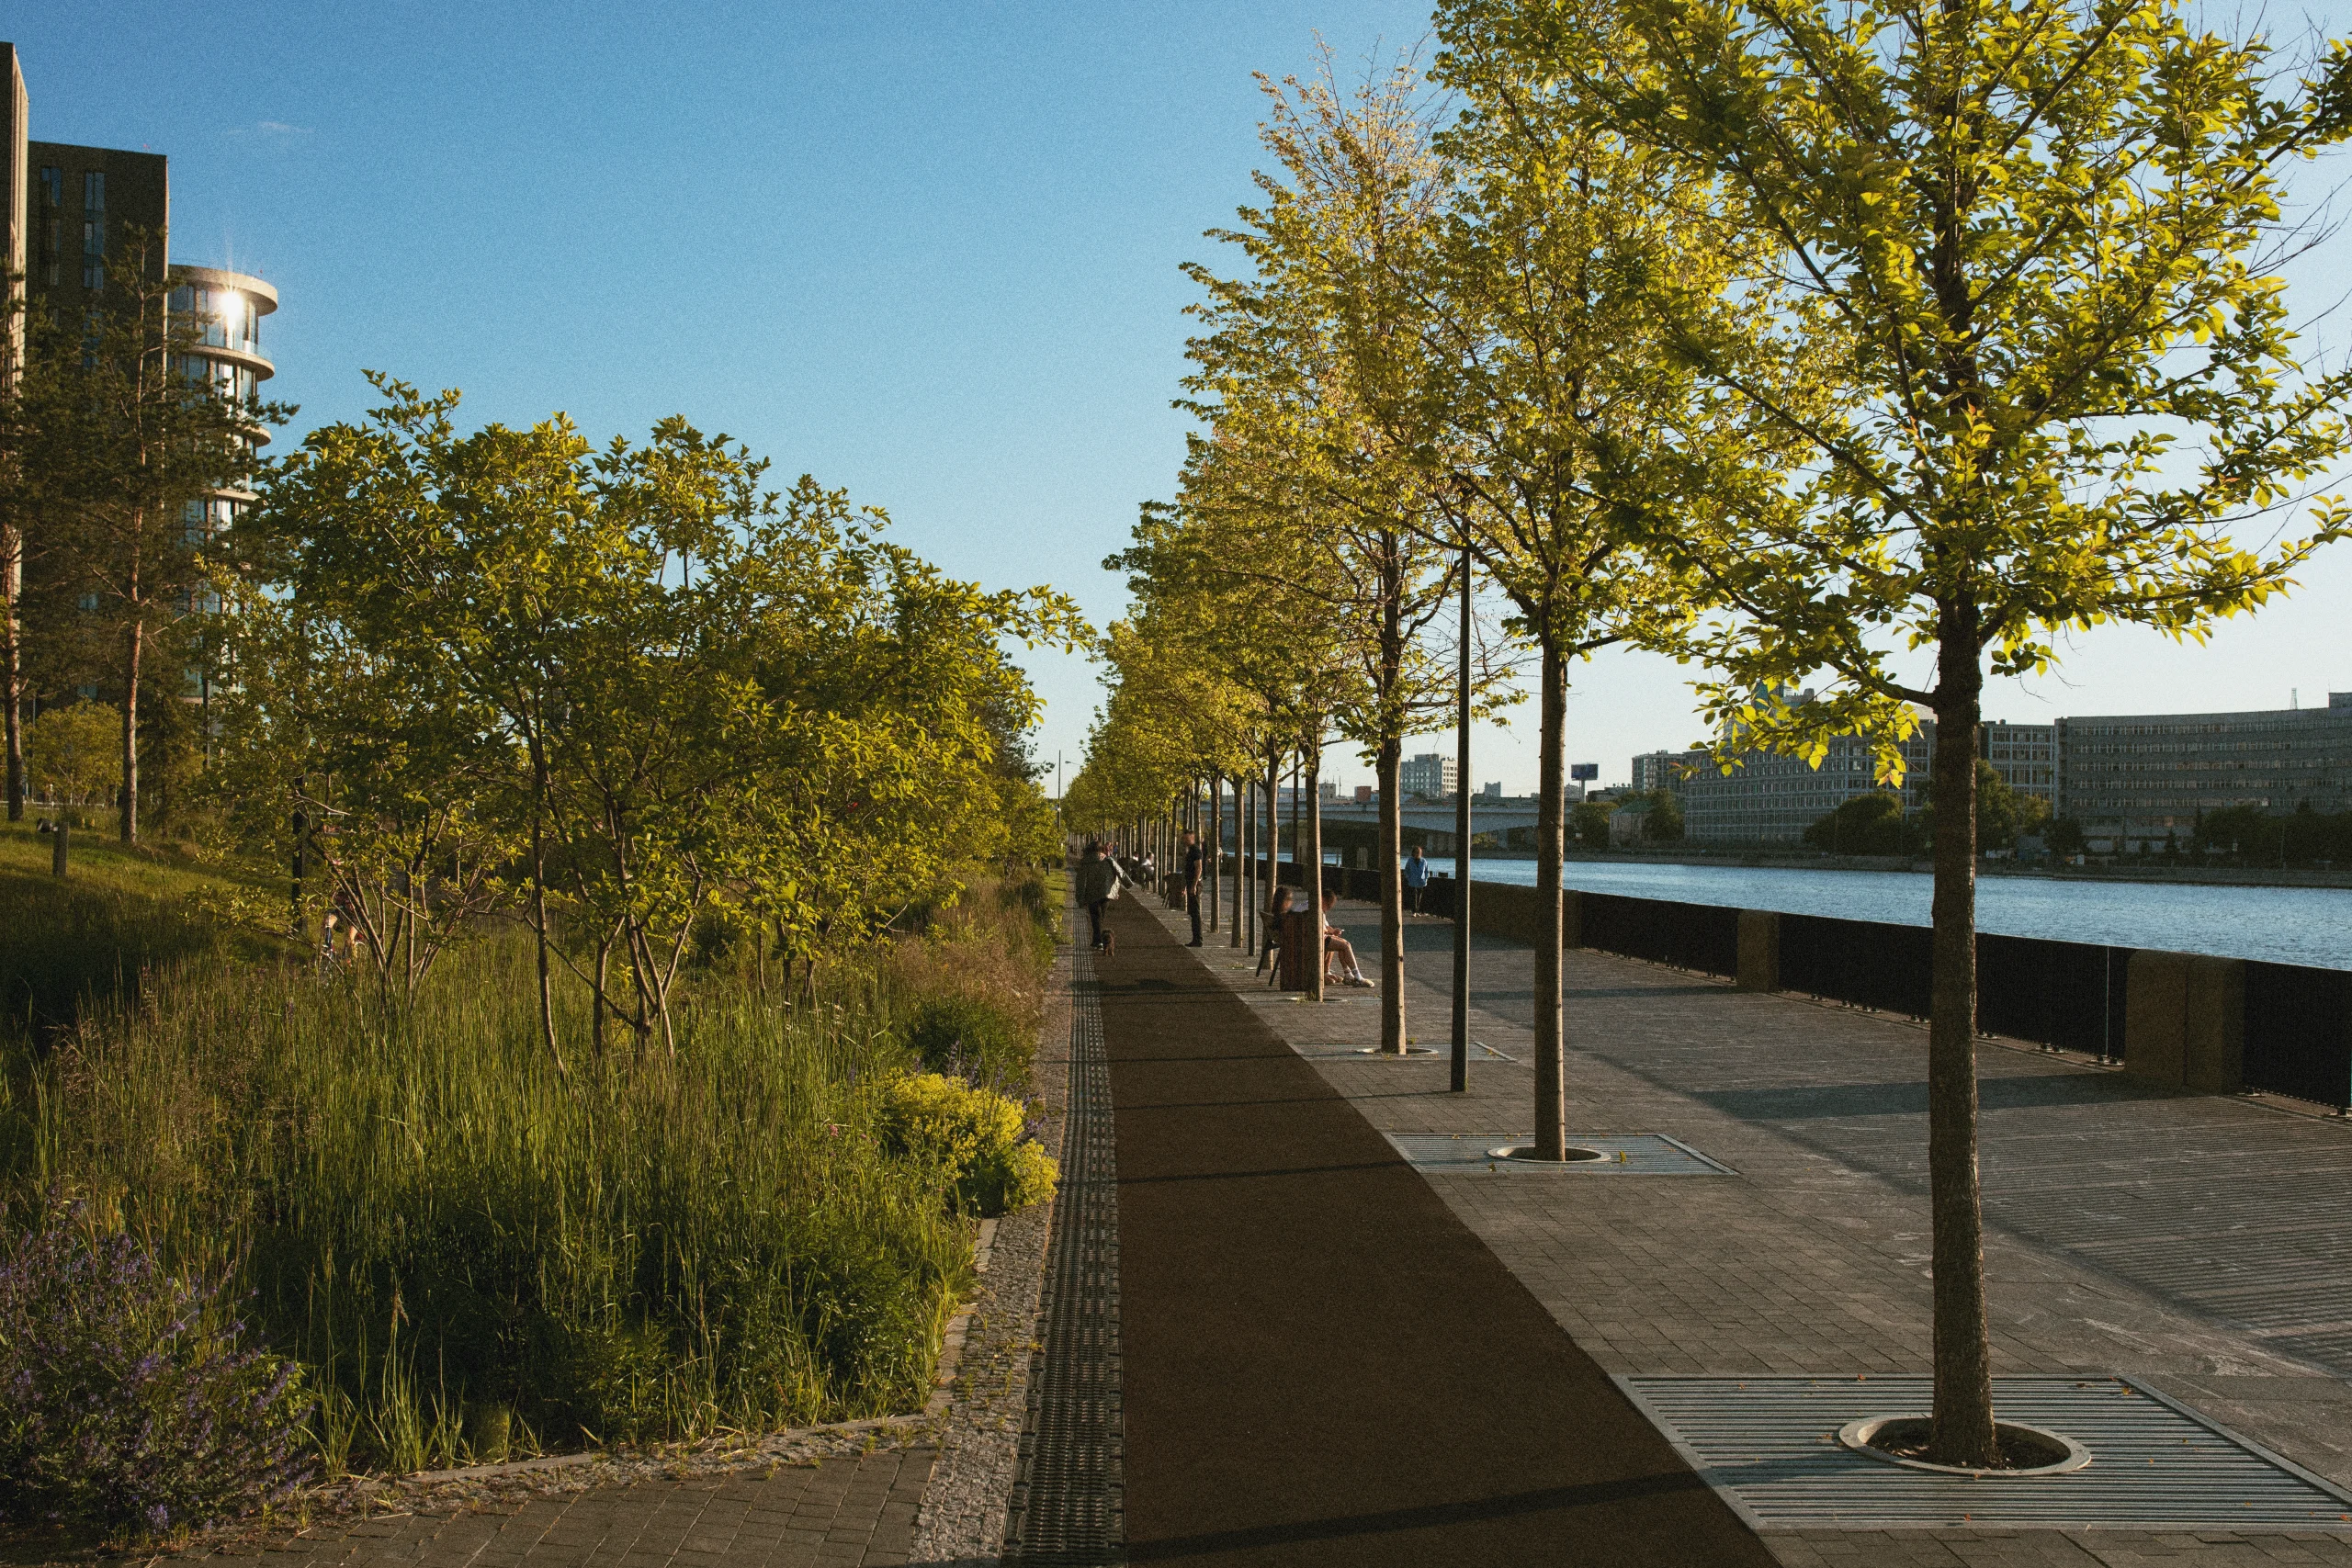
{"x": 53, "y": 186}
{"x": 94, "y": 191}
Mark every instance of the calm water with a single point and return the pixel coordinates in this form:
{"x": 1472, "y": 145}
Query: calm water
{"x": 2283, "y": 925}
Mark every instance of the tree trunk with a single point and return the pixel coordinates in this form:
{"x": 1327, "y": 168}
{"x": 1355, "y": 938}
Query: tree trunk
{"x": 1963, "y": 1432}
{"x": 134, "y": 649}
{"x": 12, "y": 663}
{"x": 540, "y": 907}
{"x": 1311, "y": 868}
{"x": 1387, "y": 764}
{"x": 1392, "y": 901}
{"x": 1551, "y": 1064}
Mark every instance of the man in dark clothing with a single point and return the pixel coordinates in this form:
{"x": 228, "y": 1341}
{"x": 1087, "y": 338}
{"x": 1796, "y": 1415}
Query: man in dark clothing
{"x": 1192, "y": 858}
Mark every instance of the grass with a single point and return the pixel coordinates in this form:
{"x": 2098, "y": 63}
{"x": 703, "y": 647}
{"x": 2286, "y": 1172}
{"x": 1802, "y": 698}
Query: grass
{"x": 122, "y": 913}
{"x": 471, "y": 1255}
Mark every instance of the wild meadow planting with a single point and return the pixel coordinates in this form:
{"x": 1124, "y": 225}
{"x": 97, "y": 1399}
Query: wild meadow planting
{"x": 464, "y": 1254}
{"x": 592, "y": 998}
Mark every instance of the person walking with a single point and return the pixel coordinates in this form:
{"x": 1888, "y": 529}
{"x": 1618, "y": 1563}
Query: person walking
{"x": 1194, "y": 858}
{"x": 1098, "y": 883}
{"x": 1417, "y": 878}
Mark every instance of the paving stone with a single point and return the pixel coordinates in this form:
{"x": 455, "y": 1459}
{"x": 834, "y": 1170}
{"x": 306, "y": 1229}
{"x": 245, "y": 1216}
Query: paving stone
{"x": 2201, "y": 1245}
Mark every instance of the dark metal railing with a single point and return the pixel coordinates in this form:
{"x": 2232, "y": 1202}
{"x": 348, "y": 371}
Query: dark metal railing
{"x": 2070, "y": 995}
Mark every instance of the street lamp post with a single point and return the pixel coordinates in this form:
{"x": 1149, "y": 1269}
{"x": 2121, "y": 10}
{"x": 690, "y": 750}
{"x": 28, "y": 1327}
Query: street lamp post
{"x": 1459, "y": 1082}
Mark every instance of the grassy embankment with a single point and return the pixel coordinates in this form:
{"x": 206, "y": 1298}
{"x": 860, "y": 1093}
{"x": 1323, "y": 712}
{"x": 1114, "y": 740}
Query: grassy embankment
{"x": 470, "y": 1255}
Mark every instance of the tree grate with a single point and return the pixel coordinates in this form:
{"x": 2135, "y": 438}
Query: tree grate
{"x": 1067, "y": 1505}
{"x": 1768, "y": 1446}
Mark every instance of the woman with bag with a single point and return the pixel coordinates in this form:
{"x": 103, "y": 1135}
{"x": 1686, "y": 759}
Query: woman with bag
{"x": 1098, "y": 883}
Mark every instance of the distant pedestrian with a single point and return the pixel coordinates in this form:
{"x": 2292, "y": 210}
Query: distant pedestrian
{"x": 1098, "y": 883}
{"x": 1193, "y": 859}
{"x": 1417, "y": 879}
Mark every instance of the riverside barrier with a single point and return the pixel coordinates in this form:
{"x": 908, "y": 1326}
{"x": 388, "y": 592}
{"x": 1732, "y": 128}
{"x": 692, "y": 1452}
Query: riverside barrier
{"x": 2187, "y": 1021}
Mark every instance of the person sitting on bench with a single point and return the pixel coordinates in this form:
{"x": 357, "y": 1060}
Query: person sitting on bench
{"x": 1336, "y": 946}
{"x": 1274, "y": 913}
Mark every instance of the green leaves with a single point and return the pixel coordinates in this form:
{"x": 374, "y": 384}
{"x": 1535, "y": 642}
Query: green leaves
{"x": 631, "y": 683}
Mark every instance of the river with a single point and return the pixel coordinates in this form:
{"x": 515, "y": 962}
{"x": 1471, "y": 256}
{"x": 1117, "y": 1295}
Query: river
{"x": 2281, "y": 925}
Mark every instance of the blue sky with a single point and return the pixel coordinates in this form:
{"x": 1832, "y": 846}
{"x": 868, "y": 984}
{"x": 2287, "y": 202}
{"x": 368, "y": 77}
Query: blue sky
{"x": 926, "y": 253}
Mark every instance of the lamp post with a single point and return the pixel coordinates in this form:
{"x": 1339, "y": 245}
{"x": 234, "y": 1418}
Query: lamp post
{"x": 1460, "y": 1081}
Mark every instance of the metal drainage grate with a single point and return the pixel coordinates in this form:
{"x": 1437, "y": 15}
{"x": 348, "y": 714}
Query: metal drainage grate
{"x": 1768, "y": 1446}
{"x": 1339, "y": 1050}
{"x": 1068, "y": 1491}
{"x": 1635, "y": 1153}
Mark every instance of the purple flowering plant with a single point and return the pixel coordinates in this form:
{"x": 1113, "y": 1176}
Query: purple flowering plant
{"x": 129, "y": 1400}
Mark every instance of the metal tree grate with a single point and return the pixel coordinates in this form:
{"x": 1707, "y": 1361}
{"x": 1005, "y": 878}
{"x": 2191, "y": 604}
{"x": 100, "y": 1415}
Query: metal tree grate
{"x": 1068, "y": 1492}
{"x": 1629, "y": 1153}
{"x": 1768, "y": 1447}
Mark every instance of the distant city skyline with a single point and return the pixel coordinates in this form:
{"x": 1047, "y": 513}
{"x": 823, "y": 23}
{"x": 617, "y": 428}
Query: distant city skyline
{"x": 928, "y": 253}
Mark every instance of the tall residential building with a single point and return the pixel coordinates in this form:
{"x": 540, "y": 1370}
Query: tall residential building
{"x": 84, "y": 204}
{"x": 13, "y": 217}
{"x": 1431, "y": 776}
{"x": 2133, "y": 780}
{"x": 70, "y": 210}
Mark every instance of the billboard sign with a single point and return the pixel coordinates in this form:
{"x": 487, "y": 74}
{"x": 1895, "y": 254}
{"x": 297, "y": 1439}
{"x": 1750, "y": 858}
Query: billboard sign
{"x": 1584, "y": 772}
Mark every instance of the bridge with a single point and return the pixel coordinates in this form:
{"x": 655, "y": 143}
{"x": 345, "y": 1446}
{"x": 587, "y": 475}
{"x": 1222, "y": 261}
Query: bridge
{"x": 1503, "y": 814}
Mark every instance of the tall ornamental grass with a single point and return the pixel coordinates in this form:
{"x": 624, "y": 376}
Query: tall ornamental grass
{"x": 472, "y": 1255}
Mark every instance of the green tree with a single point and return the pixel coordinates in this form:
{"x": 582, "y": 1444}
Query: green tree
{"x": 1869, "y": 824}
{"x": 2024, "y": 250}
{"x": 123, "y": 441}
{"x": 1294, "y": 358}
{"x": 1663, "y": 825}
{"x": 69, "y": 753}
{"x": 1589, "y": 824}
{"x": 1556, "y": 424}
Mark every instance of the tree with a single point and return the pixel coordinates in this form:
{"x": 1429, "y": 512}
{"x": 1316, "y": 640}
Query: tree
{"x": 124, "y": 442}
{"x": 1664, "y": 823}
{"x": 2024, "y": 328}
{"x": 68, "y": 754}
{"x": 1589, "y": 824}
{"x": 672, "y": 695}
{"x": 1296, "y": 355}
{"x": 1554, "y": 422}
{"x": 1869, "y": 824}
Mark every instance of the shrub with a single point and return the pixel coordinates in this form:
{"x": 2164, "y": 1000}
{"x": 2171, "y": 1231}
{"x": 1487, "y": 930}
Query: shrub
{"x": 972, "y": 1038}
{"x": 126, "y": 1398}
{"x": 976, "y": 1138}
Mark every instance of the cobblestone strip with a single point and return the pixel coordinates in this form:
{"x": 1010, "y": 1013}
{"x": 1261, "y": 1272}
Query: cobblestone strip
{"x": 963, "y": 1509}
{"x": 1067, "y": 1505}
{"x": 814, "y": 1515}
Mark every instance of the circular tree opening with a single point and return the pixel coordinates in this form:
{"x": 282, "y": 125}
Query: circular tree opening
{"x": 1527, "y": 1153}
{"x": 2025, "y": 1451}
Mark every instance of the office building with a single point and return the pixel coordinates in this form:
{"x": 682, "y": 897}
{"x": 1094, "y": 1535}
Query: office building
{"x": 1768, "y": 799}
{"x": 1662, "y": 769}
{"x": 2133, "y": 781}
{"x": 1430, "y": 775}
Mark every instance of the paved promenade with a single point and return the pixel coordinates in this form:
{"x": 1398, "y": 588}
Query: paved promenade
{"x": 1319, "y": 1363}
{"x": 2199, "y": 1247}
